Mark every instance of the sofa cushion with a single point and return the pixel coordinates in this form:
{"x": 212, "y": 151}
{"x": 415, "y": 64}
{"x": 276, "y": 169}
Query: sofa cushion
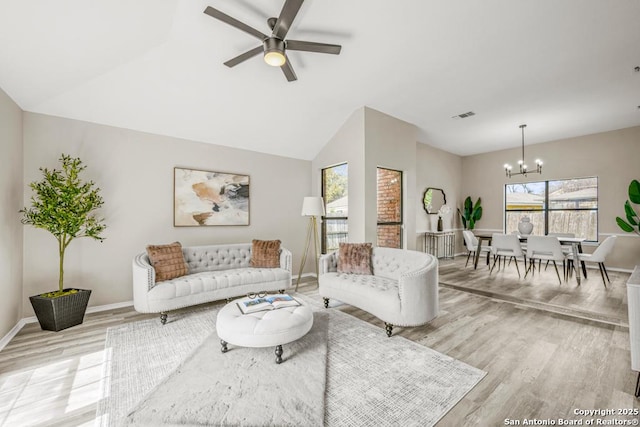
{"x": 265, "y": 253}
{"x": 371, "y": 293}
{"x": 167, "y": 261}
{"x": 355, "y": 258}
{"x": 210, "y": 281}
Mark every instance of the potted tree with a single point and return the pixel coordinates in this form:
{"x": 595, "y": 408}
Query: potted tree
{"x": 64, "y": 205}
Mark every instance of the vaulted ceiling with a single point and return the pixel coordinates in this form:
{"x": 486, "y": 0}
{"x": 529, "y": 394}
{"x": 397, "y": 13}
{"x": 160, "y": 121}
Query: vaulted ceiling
{"x": 565, "y": 68}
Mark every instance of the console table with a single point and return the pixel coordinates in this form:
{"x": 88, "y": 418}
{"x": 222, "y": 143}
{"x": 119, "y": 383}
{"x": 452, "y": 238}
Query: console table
{"x": 441, "y": 244}
{"x": 633, "y": 300}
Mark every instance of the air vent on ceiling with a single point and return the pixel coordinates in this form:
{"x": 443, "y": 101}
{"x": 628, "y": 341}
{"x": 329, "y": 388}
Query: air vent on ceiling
{"x": 464, "y": 115}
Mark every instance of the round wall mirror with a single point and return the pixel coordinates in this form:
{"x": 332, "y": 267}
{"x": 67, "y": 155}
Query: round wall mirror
{"x": 433, "y": 199}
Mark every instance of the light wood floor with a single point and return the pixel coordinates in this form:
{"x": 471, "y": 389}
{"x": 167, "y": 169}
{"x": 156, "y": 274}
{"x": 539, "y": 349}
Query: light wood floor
{"x": 540, "y": 363}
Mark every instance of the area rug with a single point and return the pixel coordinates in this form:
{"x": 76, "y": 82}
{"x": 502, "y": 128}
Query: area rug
{"x": 211, "y": 385}
{"x": 370, "y": 379}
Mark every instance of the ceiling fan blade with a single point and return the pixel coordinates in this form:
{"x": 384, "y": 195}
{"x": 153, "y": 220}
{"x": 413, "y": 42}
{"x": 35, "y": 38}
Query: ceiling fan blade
{"x": 287, "y": 15}
{"x": 313, "y": 47}
{"x": 244, "y": 56}
{"x": 287, "y": 69}
{"x": 215, "y": 13}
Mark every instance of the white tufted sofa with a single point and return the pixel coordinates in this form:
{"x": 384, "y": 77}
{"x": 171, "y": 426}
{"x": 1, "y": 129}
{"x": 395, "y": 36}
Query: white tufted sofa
{"x": 215, "y": 272}
{"x": 403, "y": 290}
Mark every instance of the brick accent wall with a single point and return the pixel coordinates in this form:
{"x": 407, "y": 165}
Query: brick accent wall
{"x": 389, "y": 207}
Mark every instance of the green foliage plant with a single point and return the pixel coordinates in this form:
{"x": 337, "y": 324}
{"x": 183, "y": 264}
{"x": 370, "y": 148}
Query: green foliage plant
{"x": 64, "y": 205}
{"x": 632, "y": 224}
{"x": 471, "y": 213}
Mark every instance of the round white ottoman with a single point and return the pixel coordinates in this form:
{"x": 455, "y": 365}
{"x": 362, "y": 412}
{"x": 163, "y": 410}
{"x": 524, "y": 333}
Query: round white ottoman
{"x": 263, "y": 328}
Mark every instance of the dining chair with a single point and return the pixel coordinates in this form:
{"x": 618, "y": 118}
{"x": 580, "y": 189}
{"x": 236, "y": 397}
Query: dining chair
{"x": 506, "y": 246}
{"x": 471, "y": 242}
{"x": 599, "y": 256}
{"x": 565, "y": 248}
{"x": 545, "y": 248}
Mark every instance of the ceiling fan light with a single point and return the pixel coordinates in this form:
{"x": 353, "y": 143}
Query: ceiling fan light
{"x": 274, "y": 52}
{"x": 275, "y": 58}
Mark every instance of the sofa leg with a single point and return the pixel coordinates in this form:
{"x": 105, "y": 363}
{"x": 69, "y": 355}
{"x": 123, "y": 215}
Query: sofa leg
{"x": 326, "y": 302}
{"x": 389, "y": 328}
{"x": 224, "y": 348}
{"x": 163, "y": 318}
{"x": 278, "y": 354}
{"x": 281, "y": 291}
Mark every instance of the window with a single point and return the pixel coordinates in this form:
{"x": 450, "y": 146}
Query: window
{"x": 560, "y": 206}
{"x": 335, "y": 224}
{"x": 389, "y": 208}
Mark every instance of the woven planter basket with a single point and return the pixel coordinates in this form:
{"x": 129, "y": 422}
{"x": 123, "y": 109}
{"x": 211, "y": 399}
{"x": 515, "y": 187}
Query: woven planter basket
{"x": 56, "y": 314}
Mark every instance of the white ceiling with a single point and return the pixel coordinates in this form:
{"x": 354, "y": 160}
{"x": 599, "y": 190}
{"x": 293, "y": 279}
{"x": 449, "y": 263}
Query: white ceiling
{"x": 566, "y": 68}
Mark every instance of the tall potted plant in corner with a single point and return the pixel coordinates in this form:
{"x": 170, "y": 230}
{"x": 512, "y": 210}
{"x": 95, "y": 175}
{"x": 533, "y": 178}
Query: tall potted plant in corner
{"x": 64, "y": 205}
{"x": 470, "y": 214}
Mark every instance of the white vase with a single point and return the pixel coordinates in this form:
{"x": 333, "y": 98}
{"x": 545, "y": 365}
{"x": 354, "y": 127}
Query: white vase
{"x": 525, "y": 226}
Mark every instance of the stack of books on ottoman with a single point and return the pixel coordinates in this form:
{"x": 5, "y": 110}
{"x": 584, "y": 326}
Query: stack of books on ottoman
{"x": 268, "y": 302}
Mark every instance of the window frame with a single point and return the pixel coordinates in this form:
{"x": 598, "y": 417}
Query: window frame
{"x": 323, "y": 237}
{"x": 546, "y": 209}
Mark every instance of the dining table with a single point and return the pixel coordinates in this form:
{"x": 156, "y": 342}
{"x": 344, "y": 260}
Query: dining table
{"x": 482, "y": 237}
{"x": 575, "y": 242}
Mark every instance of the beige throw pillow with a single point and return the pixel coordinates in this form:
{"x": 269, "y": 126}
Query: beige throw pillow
{"x": 265, "y": 253}
{"x": 168, "y": 261}
{"x": 355, "y": 258}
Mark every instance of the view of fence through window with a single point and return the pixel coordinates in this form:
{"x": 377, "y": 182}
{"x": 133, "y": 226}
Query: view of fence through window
{"x": 560, "y": 206}
{"x": 335, "y": 226}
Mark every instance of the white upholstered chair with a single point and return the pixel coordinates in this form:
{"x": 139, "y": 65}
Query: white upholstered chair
{"x": 545, "y": 248}
{"x": 600, "y": 255}
{"x": 471, "y": 242}
{"x": 402, "y": 291}
{"x": 506, "y": 246}
{"x": 565, "y": 248}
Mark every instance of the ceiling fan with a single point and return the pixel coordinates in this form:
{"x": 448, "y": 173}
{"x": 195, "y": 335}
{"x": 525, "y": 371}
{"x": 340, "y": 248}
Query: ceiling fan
{"x": 274, "y": 46}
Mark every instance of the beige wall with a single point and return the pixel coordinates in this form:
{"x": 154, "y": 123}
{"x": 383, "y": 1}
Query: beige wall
{"x": 439, "y": 169}
{"x": 369, "y": 139}
{"x": 390, "y": 143}
{"x": 10, "y": 227}
{"x": 611, "y": 156}
{"x": 346, "y": 146}
{"x": 135, "y": 172}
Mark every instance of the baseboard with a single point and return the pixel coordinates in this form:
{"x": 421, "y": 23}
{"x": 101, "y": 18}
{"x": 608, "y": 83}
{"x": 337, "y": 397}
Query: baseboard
{"x": 12, "y": 333}
{"x": 33, "y": 319}
{"x": 106, "y": 307}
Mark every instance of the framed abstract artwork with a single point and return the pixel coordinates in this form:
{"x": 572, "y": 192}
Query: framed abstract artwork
{"x": 203, "y": 198}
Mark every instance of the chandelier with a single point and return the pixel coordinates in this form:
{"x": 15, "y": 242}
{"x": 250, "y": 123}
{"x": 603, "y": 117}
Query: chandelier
{"x": 521, "y": 164}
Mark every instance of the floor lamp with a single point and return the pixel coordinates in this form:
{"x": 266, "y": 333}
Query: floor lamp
{"x": 312, "y": 207}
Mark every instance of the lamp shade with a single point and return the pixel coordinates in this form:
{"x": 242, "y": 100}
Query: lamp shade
{"x": 312, "y": 206}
